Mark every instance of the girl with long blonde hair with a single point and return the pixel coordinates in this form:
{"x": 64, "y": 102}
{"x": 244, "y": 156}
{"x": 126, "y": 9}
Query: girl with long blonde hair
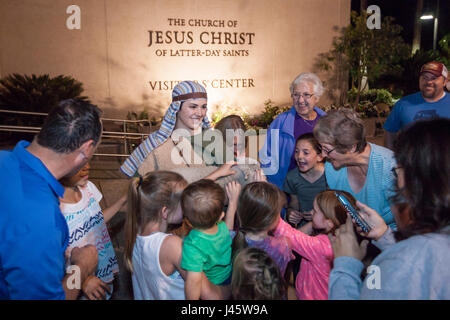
{"x": 151, "y": 254}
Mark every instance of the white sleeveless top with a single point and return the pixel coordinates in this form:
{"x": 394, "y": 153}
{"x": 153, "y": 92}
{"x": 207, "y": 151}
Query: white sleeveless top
{"x": 149, "y": 281}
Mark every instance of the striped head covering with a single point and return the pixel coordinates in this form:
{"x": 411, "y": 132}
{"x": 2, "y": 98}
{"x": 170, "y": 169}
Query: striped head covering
{"x": 183, "y": 91}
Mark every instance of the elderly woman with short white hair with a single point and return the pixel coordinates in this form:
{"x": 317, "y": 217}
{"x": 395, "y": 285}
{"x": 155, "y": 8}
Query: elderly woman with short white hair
{"x": 277, "y": 154}
{"x": 354, "y": 165}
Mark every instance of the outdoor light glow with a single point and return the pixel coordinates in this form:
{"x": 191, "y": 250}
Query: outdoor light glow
{"x": 426, "y": 17}
{"x": 147, "y": 58}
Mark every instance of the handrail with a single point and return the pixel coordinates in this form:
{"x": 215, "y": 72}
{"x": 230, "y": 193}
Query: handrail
{"x": 116, "y": 134}
{"x": 46, "y": 114}
{"x": 122, "y": 135}
{"x": 24, "y": 112}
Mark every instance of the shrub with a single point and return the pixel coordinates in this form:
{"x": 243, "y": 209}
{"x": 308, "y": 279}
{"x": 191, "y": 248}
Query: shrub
{"x": 222, "y": 111}
{"x": 270, "y": 112}
{"x": 37, "y": 93}
{"x": 34, "y": 94}
{"x": 373, "y": 96}
{"x": 263, "y": 120}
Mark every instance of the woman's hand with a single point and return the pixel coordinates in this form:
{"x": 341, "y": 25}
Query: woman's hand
{"x": 374, "y": 220}
{"x": 95, "y": 289}
{"x": 345, "y": 242}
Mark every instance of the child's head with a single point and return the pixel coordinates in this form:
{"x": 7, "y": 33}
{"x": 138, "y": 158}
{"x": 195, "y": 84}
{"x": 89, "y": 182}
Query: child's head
{"x": 152, "y": 198}
{"x": 308, "y": 152}
{"x": 256, "y": 277}
{"x": 230, "y": 122}
{"x": 233, "y": 122}
{"x": 259, "y": 209}
{"x": 328, "y": 212}
{"x": 202, "y": 203}
{"x": 80, "y": 179}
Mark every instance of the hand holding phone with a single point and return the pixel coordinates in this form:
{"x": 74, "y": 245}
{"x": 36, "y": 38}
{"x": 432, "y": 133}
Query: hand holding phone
{"x": 376, "y": 222}
{"x": 353, "y": 212}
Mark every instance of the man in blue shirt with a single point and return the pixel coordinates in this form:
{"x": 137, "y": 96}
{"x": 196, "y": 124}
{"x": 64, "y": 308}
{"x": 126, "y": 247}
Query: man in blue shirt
{"x": 33, "y": 232}
{"x": 431, "y": 102}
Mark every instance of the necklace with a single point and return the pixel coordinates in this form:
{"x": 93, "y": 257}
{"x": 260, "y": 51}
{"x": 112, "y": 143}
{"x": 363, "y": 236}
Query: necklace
{"x": 308, "y": 122}
{"x": 311, "y": 125}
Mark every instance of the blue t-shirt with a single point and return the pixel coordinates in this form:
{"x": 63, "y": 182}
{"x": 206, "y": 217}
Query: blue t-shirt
{"x": 33, "y": 232}
{"x": 413, "y": 108}
{"x": 378, "y": 187}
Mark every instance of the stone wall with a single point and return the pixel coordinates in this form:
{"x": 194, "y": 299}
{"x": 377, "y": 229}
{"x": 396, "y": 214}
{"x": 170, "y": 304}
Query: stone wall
{"x": 129, "y": 54}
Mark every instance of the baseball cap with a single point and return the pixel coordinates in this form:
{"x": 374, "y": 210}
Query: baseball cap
{"x": 435, "y": 68}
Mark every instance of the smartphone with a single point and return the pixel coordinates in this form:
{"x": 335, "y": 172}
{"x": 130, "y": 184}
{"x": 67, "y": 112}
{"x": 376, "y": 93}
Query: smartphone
{"x": 353, "y": 213}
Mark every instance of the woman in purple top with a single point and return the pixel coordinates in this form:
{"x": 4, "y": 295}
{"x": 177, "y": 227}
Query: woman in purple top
{"x": 276, "y": 155}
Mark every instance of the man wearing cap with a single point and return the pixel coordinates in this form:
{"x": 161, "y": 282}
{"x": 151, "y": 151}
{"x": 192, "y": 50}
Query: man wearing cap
{"x": 431, "y": 102}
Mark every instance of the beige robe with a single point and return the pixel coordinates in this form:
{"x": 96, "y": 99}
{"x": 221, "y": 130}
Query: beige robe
{"x": 180, "y": 157}
{"x": 171, "y": 155}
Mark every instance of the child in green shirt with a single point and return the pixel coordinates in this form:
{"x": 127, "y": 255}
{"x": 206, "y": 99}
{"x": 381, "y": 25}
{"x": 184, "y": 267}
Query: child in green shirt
{"x": 207, "y": 248}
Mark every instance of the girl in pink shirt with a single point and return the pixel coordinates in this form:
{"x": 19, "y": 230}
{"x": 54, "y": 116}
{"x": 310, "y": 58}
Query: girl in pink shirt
{"x": 327, "y": 214}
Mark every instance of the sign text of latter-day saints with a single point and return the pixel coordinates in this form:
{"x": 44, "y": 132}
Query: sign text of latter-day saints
{"x": 158, "y": 39}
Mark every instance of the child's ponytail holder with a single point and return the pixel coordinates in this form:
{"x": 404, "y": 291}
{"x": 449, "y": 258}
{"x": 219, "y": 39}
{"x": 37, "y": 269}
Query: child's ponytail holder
{"x": 140, "y": 181}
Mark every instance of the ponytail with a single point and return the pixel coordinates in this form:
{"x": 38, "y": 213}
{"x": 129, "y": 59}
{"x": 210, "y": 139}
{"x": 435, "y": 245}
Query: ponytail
{"x": 146, "y": 197}
{"x": 259, "y": 207}
{"x": 239, "y": 243}
{"x": 272, "y": 283}
{"x": 256, "y": 276}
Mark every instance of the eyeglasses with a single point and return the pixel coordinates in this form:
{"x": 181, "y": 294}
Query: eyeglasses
{"x": 305, "y": 96}
{"x": 394, "y": 171}
{"x": 328, "y": 152}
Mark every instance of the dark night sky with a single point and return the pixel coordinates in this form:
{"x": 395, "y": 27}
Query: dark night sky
{"x": 404, "y": 13}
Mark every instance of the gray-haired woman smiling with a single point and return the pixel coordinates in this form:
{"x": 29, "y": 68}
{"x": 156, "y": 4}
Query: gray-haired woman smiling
{"x": 354, "y": 165}
{"x": 415, "y": 267}
{"x": 306, "y": 90}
